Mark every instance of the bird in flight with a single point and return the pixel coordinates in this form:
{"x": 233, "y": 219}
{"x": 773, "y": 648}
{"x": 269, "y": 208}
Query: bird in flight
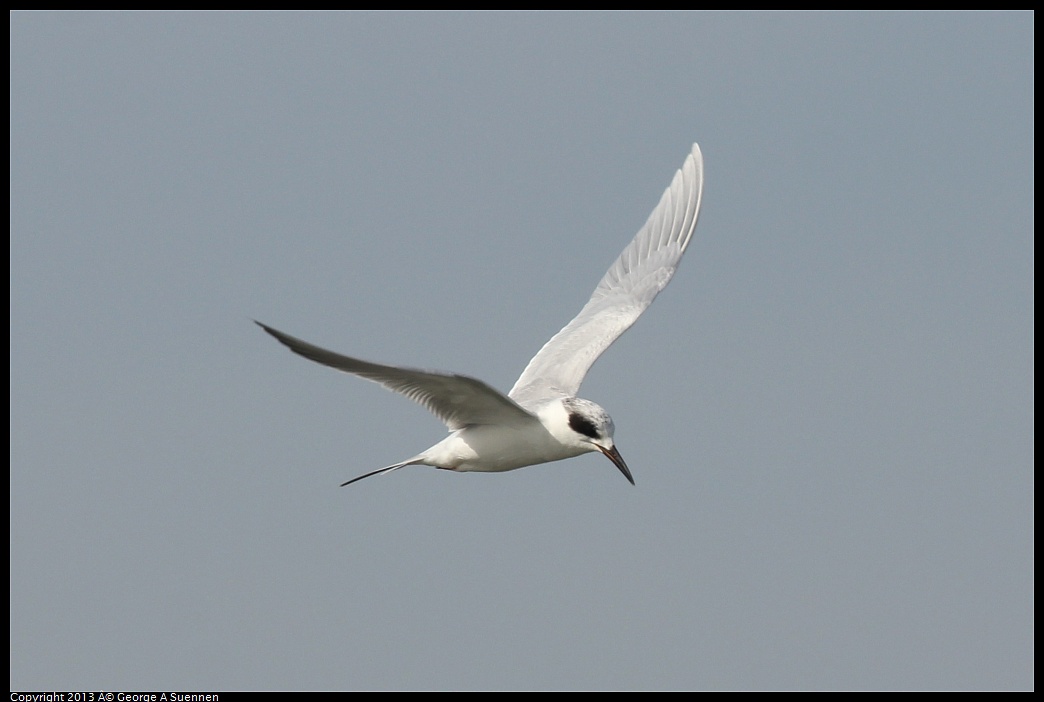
{"x": 541, "y": 419}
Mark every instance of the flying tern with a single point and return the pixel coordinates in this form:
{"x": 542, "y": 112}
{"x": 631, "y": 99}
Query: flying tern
{"x": 541, "y": 419}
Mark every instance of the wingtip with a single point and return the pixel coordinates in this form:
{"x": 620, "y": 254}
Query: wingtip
{"x": 275, "y": 333}
{"x": 697, "y": 156}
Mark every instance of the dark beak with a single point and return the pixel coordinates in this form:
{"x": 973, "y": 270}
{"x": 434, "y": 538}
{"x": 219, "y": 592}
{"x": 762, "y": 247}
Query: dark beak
{"x": 614, "y": 456}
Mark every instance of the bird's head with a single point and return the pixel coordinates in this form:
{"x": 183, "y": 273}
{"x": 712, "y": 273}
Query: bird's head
{"x": 588, "y": 427}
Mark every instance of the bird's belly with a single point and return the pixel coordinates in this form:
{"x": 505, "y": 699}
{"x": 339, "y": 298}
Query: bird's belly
{"x": 496, "y": 449}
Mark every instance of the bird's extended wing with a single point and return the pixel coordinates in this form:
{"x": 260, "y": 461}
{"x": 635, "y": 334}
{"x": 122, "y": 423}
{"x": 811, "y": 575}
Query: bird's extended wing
{"x": 630, "y": 285}
{"x": 457, "y": 400}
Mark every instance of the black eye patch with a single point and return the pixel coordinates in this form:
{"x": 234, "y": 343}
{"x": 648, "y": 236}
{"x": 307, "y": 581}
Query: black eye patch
{"x": 583, "y": 425}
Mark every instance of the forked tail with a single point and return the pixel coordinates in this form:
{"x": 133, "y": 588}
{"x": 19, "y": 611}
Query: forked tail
{"x": 381, "y": 471}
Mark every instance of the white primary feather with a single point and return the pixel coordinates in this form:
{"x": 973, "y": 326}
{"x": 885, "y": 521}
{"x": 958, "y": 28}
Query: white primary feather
{"x": 627, "y": 289}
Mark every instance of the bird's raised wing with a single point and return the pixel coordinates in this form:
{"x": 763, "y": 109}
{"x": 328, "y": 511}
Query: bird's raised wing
{"x": 457, "y": 400}
{"x": 632, "y": 282}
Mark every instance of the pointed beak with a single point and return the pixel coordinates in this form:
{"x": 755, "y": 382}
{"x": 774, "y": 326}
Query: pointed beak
{"x": 614, "y": 456}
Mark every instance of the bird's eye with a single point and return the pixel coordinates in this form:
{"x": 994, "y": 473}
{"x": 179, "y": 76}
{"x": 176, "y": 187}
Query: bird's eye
{"x": 582, "y": 425}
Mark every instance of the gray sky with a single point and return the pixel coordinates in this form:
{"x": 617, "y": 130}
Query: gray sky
{"x": 828, "y": 413}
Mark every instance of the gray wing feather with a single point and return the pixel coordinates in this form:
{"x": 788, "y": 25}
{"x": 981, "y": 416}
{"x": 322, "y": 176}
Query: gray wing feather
{"x": 457, "y": 400}
{"x": 627, "y": 289}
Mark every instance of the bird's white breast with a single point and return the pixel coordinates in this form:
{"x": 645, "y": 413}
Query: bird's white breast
{"x": 495, "y": 449}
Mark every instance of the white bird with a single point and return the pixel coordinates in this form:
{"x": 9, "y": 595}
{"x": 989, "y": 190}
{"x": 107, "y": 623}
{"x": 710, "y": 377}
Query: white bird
{"x": 541, "y": 419}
